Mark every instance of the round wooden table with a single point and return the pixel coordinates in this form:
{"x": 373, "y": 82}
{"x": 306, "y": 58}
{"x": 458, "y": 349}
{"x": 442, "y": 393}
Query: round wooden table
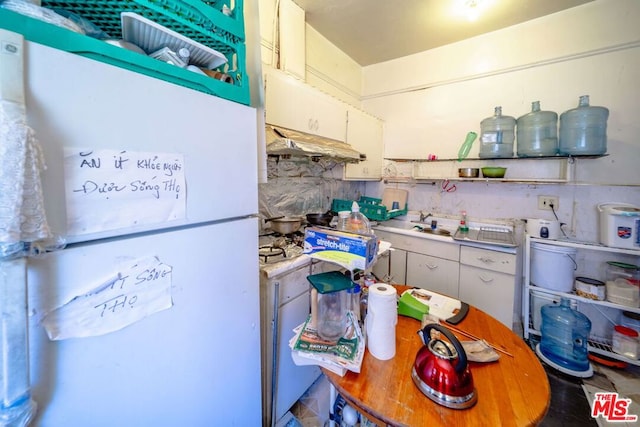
{"x": 513, "y": 391}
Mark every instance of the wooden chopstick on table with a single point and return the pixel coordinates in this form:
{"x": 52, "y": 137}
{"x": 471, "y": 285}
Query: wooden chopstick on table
{"x": 473, "y": 337}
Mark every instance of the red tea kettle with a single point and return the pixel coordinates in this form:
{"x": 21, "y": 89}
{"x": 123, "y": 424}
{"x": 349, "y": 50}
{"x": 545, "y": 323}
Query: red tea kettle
{"x": 441, "y": 371}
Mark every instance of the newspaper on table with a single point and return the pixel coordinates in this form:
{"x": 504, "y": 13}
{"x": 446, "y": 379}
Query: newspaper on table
{"x": 308, "y": 348}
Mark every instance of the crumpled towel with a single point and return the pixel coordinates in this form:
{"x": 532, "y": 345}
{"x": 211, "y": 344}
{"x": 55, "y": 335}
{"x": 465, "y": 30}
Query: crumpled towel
{"x": 479, "y": 351}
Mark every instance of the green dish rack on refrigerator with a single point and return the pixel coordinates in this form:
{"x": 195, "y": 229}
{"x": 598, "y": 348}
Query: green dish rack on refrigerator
{"x": 371, "y": 207}
{"x": 201, "y": 21}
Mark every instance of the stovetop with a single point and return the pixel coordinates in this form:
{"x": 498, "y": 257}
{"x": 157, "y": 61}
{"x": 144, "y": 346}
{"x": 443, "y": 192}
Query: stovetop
{"x": 275, "y": 247}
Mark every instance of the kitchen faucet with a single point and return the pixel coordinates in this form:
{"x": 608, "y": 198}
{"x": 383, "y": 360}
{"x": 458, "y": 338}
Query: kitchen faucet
{"x": 423, "y": 217}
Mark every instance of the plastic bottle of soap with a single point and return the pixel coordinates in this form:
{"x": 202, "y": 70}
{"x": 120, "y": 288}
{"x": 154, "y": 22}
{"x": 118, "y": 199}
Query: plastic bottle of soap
{"x": 358, "y": 223}
{"x": 464, "y": 227}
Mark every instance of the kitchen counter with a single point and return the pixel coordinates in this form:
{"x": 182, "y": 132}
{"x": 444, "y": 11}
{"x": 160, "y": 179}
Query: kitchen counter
{"x": 512, "y": 391}
{"x": 407, "y": 228}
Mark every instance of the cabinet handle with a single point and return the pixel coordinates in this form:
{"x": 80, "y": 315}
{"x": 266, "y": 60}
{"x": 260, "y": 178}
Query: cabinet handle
{"x": 486, "y": 280}
{"x": 486, "y": 260}
{"x": 432, "y": 266}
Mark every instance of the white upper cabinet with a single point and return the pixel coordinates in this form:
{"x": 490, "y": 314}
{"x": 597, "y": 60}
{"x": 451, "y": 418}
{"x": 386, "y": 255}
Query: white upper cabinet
{"x": 292, "y": 38}
{"x": 292, "y": 104}
{"x": 364, "y": 134}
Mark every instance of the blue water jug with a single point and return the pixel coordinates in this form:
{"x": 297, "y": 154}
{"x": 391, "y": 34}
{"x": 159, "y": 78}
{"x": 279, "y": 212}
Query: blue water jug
{"x": 564, "y": 336}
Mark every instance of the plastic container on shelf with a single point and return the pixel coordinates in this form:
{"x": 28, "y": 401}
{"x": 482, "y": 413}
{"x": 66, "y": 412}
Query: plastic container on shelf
{"x": 623, "y": 283}
{"x": 564, "y": 336}
{"x": 583, "y": 130}
{"x": 625, "y": 341}
{"x": 537, "y": 133}
{"x": 497, "y": 135}
{"x": 590, "y": 288}
{"x": 631, "y": 320}
{"x": 553, "y": 267}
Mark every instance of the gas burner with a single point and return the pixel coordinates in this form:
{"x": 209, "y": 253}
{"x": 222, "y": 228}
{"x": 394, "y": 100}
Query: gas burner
{"x": 271, "y": 252}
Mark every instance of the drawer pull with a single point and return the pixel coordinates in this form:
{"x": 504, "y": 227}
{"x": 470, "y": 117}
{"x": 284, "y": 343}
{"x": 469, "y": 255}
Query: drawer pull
{"x": 486, "y": 260}
{"x": 432, "y": 266}
{"x": 486, "y": 280}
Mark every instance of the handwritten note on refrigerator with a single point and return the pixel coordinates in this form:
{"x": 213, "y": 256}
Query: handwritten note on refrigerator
{"x": 113, "y": 189}
{"x": 130, "y": 295}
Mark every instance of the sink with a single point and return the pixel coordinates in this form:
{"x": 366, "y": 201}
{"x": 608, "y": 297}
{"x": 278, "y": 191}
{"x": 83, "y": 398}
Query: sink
{"x": 437, "y": 231}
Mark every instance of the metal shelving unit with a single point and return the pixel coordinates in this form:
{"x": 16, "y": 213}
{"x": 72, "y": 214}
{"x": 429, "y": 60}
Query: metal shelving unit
{"x": 594, "y": 344}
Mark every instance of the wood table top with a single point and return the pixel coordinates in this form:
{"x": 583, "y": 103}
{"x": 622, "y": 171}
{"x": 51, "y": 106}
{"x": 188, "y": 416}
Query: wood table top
{"x": 513, "y": 391}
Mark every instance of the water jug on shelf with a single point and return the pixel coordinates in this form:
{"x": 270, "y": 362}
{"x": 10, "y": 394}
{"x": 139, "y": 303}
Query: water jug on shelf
{"x": 497, "y": 135}
{"x": 537, "y": 133}
{"x": 583, "y": 130}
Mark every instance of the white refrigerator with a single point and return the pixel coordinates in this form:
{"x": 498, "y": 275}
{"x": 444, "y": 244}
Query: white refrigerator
{"x": 149, "y": 316}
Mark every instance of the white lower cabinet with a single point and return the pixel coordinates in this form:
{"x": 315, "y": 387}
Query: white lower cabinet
{"x": 488, "y": 282}
{"x": 392, "y": 267}
{"x": 485, "y": 278}
{"x": 433, "y": 273}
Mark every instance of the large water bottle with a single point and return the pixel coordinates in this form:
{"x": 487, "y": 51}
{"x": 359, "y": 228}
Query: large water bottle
{"x": 564, "y": 336}
{"x": 497, "y": 135}
{"x": 583, "y": 130}
{"x": 537, "y": 133}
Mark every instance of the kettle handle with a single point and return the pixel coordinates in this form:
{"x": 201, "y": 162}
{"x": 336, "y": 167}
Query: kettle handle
{"x": 462, "y": 355}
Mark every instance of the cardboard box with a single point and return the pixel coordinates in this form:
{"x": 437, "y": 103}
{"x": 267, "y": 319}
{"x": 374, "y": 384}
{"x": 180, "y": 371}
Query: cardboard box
{"x": 352, "y": 251}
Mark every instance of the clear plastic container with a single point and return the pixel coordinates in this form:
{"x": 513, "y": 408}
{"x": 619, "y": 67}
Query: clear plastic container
{"x": 625, "y": 341}
{"x": 537, "y": 133}
{"x": 623, "y": 283}
{"x": 564, "y": 335}
{"x": 583, "y": 130}
{"x": 357, "y": 222}
{"x": 332, "y": 314}
{"x": 343, "y": 220}
{"x": 497, "y": 135}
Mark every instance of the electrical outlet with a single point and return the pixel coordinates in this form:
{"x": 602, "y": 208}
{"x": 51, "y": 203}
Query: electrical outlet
{"x": 545, "y": 202}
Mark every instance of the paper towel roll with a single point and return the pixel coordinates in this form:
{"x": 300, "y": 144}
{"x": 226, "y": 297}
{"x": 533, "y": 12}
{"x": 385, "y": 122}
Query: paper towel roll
{"x": 380, "y": 323}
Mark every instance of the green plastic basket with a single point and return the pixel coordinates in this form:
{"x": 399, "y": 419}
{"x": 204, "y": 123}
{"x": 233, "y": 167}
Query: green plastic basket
{"x": 195, "y": 19}
{"x": 370, "y": 207}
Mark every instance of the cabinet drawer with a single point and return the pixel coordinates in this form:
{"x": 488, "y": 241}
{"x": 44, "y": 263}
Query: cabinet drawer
{"x": 491, "y": 260}
{"x": 491, "y": 291}
{"x": 420, "y": 245}
{"x": 432, "y": 273}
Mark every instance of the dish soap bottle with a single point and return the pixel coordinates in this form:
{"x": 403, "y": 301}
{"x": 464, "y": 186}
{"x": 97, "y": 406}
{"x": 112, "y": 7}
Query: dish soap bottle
{"x": 358, "y": 223}
{"x": 464, "y": 227}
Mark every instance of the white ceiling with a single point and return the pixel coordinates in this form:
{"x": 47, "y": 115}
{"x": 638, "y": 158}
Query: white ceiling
{"x": 373, "y": 31}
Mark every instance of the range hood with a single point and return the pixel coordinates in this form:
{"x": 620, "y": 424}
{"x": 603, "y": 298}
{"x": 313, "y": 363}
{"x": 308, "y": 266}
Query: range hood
{"x": 281, "y": 141}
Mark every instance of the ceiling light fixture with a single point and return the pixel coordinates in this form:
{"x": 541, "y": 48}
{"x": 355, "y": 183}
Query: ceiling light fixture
{"x": 472, "y": 9}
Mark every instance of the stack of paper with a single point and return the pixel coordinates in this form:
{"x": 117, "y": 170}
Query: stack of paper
{"x": 307, "y": 348}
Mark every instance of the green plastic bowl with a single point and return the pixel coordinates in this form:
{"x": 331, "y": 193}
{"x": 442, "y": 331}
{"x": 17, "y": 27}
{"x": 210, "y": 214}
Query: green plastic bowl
{"x": 493, "y": 172}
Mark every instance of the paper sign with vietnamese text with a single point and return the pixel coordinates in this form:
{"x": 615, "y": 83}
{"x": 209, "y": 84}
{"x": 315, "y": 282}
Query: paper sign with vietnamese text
{"x": 130, "y": 295}
{"x": 113, "y": 189}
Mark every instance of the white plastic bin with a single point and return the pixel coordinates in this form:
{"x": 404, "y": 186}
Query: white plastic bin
{"x": 553, "y": 267}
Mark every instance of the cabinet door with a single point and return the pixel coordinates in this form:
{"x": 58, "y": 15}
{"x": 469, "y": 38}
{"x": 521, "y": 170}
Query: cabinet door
{"x": 398, "y": 267}
{"x": 491, "y": 291}
{"x": 432, "y": 273}
{"x": 293, "y": 104}
{"x": 364, "y": 134}
{"x": 381, "y": 268}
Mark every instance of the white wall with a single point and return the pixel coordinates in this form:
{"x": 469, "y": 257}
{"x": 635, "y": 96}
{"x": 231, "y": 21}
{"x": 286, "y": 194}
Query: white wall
{"x": 592, "y": 49}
